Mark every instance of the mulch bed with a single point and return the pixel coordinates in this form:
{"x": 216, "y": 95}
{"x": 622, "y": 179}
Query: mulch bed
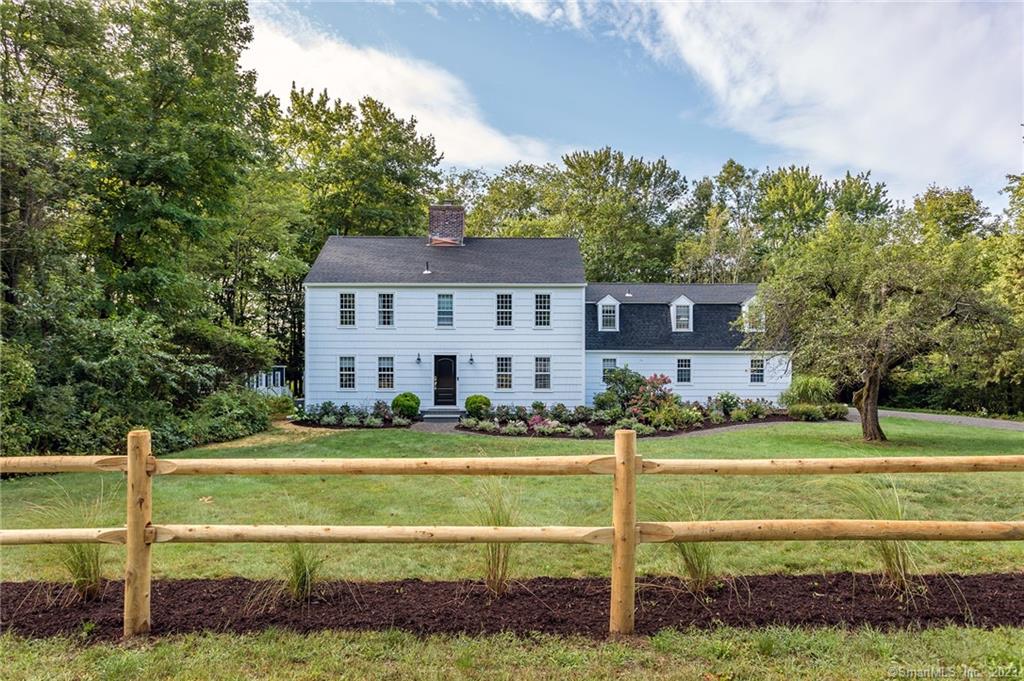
{"x": 603, "y": 431}
{"x": 561, "y": 606}
{"x": 316, "y": 424}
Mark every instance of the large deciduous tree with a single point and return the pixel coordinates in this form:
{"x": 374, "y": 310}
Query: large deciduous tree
{"x": 862, "y": 298}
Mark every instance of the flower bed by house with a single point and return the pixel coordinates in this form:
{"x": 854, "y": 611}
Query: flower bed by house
{"x": 402, "y": 411}
{"x": 646, "y": 405}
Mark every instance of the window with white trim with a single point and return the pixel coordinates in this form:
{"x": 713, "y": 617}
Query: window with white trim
{"x": 347, "y": 373}
{"x": 607, "y": 364}
{"x": 503, "y": 374}
{"x": 682, "y": 320}
{"x": 385, "y": 373}
{"x": 385, "y": 309}
{"x": 542, "y": 373}
{"x": 346, "y": 309}
{"x": 445, "y": 309}
{"x": 542, "y": 309}
{"x": 753, "y": 317}
{"x": 757, "y": 371}
{"x": 609, "y": 317}
{"x": 683, "y": 370}
{"x": 503, "y": 310}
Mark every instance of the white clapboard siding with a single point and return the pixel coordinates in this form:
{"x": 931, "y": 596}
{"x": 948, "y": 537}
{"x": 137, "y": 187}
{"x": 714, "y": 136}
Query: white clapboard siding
{"x": 711, "y": 372}
{"x": 474, "y": 333}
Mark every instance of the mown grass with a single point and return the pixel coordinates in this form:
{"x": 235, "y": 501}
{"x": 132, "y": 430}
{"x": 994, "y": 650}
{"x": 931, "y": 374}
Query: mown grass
{"x": 573, "y": 500}
{"x": 771, "y": 654}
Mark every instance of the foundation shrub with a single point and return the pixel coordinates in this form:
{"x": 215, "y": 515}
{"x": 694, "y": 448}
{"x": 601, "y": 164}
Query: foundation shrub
{"x": 406, "y": 405}
{"x": 835, "y": 411}
{"x": 478, "y": 406}
{"x": 806, "y": 412}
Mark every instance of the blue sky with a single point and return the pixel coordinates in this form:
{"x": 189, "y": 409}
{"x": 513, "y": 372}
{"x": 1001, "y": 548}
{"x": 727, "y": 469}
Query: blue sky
{"x": 917, "y": 93}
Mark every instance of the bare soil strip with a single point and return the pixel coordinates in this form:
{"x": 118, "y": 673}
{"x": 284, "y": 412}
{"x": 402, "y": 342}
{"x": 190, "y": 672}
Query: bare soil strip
{"x": 562, "y": 606}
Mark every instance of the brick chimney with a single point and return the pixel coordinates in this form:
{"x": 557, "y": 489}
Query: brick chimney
{"x": 447, "y": 225}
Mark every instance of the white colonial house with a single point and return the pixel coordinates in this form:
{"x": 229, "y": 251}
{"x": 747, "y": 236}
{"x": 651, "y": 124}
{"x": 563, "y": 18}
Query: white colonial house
{"x": 446, "y": 317}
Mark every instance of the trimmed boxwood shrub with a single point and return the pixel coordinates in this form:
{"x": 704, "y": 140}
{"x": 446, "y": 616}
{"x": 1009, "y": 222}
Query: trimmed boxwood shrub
{"x": 478, "y": 406}
{"x": 406, "y": 405}
{"x": 835, "y": 410}
{"x": 806, "y": 412}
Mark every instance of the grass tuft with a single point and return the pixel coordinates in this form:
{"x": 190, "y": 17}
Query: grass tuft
{"x": 698, "y": 560}
{"x": 83, "y": 563}
{"x": 304, "y": 567}
{"x": 497, "y": 504}
{"x": 883, "y": 502}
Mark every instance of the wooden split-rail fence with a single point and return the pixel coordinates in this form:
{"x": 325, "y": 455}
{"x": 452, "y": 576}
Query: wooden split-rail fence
{"x": 624, "y": 534}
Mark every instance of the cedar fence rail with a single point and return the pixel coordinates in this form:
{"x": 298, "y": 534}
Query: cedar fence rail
{"x": 624, "y": 534}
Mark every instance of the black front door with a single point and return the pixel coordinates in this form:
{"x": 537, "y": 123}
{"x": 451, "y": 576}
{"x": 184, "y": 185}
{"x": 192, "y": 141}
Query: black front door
{"x": 444, "y": 381}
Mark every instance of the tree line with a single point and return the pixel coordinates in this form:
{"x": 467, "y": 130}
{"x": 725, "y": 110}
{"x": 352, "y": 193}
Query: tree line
{"x": 159, "y": 214}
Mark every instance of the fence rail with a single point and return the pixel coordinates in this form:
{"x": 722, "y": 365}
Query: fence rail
{"x": 625, "y": 533}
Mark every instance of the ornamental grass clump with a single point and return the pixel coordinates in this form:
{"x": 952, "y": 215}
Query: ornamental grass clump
{"x": 698, "y": 560}
{"x": 303, "y": 567}
{"x": 82, "y": 562}
{"x": 497, "y": 504}
{"x": 883, "y": 502}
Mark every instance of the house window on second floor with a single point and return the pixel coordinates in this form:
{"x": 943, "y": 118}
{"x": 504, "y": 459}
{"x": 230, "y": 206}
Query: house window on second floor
{"x": 609, "y": 317}
{"x": 542, "y": 373}
{"x": 607, "y": 364}
{"x": 682, "y": 318}
{"x": 445, "y": 309}
{"x": 503, "y": 310}
{"x": 385, "y": 309}
{"x": 753, "y": 317}
{"x": 347, "y": 373}
{"x": 757, "y": 371}
{"x": 542, "y": 309}
{"x": 503, "y": 374}
{"x": 385, "y": 373}
{"x": 683, "y": 370}
{"x": 346, "y": 309}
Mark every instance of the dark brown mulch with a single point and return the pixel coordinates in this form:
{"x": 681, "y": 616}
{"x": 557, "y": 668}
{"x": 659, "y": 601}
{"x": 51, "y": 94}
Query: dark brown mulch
{"x": 605, "y": 431}
{"x": 556, "y": 606}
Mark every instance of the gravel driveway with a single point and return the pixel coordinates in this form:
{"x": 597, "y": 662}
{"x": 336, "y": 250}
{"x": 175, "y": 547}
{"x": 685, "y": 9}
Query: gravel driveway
{"x": 1001, "y": 424}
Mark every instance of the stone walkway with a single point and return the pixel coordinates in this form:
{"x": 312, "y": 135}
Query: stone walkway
{"x": 1001, "y": 424}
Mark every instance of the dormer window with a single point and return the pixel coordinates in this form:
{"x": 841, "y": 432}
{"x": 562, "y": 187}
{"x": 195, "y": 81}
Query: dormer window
{"x": 608, "y": 314}
{"x": 753, "y": 317}
{"x": 682, "y": 314}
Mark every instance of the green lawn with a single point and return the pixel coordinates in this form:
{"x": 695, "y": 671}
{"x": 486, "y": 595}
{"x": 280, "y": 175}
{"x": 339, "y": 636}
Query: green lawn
{"x": 573, "y": 500}
{"x": 778, "y": 653}
{"x": 767, "y": 654}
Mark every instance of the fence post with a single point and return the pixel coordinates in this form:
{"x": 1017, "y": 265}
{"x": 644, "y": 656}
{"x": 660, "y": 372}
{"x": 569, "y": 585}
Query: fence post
{"x": 624, "y": 534}
{"x": 138, "y": 559}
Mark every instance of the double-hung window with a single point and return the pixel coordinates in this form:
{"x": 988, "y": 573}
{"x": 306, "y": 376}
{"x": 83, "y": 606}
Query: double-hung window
{"x": 445, "y": 309}
{"x": 347, "y": 373}
{"x": 385, "y": 373}
{"x": 683, "y": 370}
{"x": 607, "y": 364}
{"x": 609, "y": 317}
{"x": 542, "y": 373}
{"x": 757, "y": 371}
{"x": 503, "y": 310}
{"x": 542, "y": 309}
{"x": 682, "y": 319}
{"x": 385, "y": 309}
{"x": 346, "y": 309}
{"x": 503, "y": 374}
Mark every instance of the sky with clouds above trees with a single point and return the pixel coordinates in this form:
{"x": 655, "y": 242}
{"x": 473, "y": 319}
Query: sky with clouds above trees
{"x": 915, "y": 92}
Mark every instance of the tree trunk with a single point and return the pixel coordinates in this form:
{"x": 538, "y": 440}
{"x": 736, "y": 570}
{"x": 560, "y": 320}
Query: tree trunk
{"x": 866, "y": 401}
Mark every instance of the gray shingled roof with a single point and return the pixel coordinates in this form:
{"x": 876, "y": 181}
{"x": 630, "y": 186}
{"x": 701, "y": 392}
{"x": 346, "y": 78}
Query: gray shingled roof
{"x": 401, "y": 260}
{"x": 733, "y": 294}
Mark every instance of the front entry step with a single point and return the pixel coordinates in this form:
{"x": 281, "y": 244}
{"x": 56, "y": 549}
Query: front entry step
{"x": 442, "y": 413}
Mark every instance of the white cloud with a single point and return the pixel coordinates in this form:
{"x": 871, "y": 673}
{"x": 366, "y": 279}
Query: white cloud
{"x": 287, "y": 48}
{"x": 917, "y": 92}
